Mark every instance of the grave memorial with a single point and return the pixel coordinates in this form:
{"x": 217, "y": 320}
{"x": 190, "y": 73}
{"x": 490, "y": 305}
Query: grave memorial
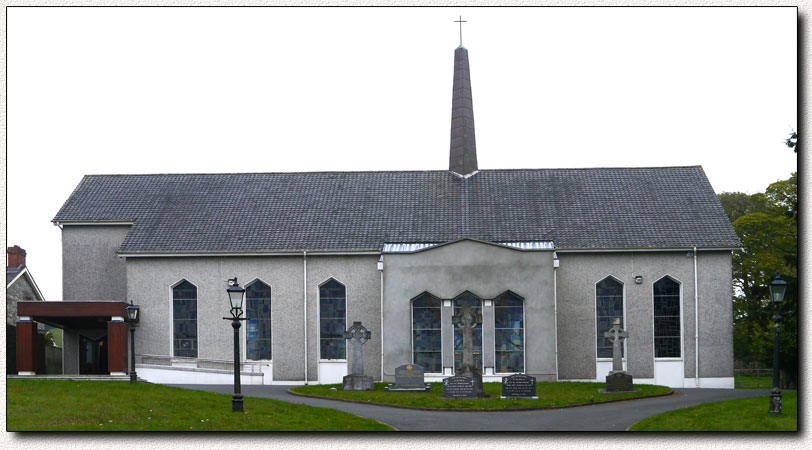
{"x": 519, "y": 386}
{"x": 459, "y": 387}
{"x": 456, "y": 386}
{"x": 356, "y": 380}
{"x": 409, "y": 377}
{"x": 617, "y": 380}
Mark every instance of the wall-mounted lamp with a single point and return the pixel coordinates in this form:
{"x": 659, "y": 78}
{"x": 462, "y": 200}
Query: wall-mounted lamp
{"x": 638, "y": 279}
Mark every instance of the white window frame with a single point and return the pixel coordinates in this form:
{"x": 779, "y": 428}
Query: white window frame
{"x": 411, "y": 336}
{"x": 318, "y": 316}
{"x": 595, "y": 315}
{"x": 524, "y": 334}
{"x": 245, "y": 333}
{"x": 681, "y": 323}
{"x": 172, "y": 318}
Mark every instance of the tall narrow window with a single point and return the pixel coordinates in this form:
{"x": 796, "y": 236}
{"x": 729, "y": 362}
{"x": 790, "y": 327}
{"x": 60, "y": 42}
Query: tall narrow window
{"x": 667, "y": 342}
{"x": 467, "y": 298}
{"x": 258, "y": 326}
{"x": 184, "y": 318}
{"x": 508, "y": 317}
{"x": 426, "y": 333}
{"x": 608, "y": 305}
{"x": 333, "y": 318}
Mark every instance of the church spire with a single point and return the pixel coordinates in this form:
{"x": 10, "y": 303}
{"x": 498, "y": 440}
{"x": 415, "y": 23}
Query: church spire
{"x": 463, "y": 142}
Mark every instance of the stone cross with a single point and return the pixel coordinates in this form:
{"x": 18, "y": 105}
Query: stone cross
{"x": 467, "y": 320}
{"x": 616, "y": 336}
{"x": 358, "y": 335}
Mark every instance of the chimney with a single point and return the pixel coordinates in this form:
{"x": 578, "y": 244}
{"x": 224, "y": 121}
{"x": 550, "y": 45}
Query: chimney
{"x": 463, "y": 141}
{"x": 16, "y": 256}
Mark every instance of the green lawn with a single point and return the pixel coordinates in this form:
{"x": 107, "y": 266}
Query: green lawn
{"x": 549, "y": 394}
{"x": 746, "y": 414}
{"x": 65, "y": 405}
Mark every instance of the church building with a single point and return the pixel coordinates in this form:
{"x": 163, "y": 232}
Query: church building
{"x": 548, "y": 257}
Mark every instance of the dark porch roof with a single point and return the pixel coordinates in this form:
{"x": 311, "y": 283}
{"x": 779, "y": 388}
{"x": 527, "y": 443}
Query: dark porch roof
{"x": 73, "y": 314}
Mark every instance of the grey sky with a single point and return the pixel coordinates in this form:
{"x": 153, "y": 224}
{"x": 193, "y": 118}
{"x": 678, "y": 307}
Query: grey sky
{"x": 173, "y": 90}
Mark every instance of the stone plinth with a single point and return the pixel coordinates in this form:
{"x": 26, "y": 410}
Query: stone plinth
{"x": 357, "y": 383}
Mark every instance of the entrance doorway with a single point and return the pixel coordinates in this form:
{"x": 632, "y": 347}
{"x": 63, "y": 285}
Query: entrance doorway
{"x": 93, "y": 355}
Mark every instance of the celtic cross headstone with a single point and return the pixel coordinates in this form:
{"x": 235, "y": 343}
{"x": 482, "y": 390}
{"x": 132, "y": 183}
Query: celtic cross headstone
{"x": 358, "y": 335}
{"x": 467, "y": 319}
{"x": 616, "y": 337}
{"x": 617, "y": 380}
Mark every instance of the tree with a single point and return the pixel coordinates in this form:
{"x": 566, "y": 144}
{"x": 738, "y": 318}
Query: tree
{"x": 792, "y": 141}
{"x": 767, "y": 225}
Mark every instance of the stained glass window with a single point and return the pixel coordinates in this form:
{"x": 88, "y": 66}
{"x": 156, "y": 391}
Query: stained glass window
{"x": 258, "y": 325}
{"x": 184, "y": 319}
{"x": 508, "y": 311}
{"x": 468, "y": 298}
{"x": 609, "y": 305}
{"x": 333, "y": 318}
{"x": 426, "y": 333}
{"x": 667, "y": 343}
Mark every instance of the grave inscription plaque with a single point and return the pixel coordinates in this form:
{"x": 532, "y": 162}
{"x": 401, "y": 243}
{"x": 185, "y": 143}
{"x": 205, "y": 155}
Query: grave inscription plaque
{"x": 519, "y": 386}
{"x": 458, "y": 387}
{"x": 409, "y": 377}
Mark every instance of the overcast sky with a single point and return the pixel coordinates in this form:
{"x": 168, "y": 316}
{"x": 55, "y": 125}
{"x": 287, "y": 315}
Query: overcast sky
{"x": 182, "y": 90}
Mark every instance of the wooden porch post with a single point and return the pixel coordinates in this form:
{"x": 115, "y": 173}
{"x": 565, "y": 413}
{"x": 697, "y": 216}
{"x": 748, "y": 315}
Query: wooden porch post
{"x": 26, "y": 347}
{"x": 117, "y": 346}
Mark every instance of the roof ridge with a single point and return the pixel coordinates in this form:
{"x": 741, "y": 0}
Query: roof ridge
{"x": 379, "y": 171}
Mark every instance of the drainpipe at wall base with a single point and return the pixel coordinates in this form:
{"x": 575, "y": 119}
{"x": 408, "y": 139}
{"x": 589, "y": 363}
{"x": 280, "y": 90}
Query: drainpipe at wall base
{"x": 696, "y": 321}
{"x": 556, "y": 264}
{"x": 304, "y": 309}
{"x": 380, "y": 269}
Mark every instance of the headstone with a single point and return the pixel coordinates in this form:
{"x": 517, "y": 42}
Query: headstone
{"x": 458, "y": 387}
{"x": 356, "y": 380}
{"x": 617, "y": 380}
{"x": 519, "y": 386}
{"x": 467, "y": 319}
{"x": 409, "y": 377}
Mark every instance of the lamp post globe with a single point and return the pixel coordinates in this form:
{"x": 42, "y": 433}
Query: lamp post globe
{"x": 778, "y": 288}
{"x": 236, "y": 295}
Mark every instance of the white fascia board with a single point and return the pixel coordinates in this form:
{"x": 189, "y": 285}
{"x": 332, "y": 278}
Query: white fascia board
{"x": 621, "y": 250}
{"x": 293, "y": 253}
{"x": 31, "y": 281}
{"x": 97, "y": 223}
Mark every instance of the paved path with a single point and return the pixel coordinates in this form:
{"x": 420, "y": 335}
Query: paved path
{"x": 606, "y": 417}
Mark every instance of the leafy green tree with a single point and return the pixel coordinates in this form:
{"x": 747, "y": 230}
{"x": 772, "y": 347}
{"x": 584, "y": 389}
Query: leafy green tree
{"x": 767, "y": 224}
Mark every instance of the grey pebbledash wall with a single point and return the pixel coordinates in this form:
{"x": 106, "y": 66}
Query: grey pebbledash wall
{"x": 484, "y": 269}
{"x": 91, "y": 269}
{"x": 150, "y": 282}
{"x": 576, "y": 279}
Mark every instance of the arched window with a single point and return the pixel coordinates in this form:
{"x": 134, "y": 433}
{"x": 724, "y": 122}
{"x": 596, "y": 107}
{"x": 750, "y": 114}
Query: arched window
{"x": 667, "y": 342}
{"x": 333, "y": 318}
{"x": 508, "y": 310}
{"x": 184, "y": 319}
{"x": 467, "y": 298}
{"x": 426, "y": 332}
{"x": 258, "y": 325}
{"x": 608, "y": 305}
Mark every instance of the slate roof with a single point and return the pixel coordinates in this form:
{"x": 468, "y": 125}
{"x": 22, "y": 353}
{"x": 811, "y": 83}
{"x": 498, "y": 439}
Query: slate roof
{"x": 12, "y": 272}
{"x": 266, "y": 212}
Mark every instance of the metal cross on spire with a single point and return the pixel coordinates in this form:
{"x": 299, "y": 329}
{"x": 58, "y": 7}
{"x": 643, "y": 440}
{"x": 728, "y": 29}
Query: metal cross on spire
{"x": 460, "y": 22}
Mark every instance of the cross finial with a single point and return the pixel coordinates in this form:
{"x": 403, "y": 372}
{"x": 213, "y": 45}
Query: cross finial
{"x": 460, "y": 22}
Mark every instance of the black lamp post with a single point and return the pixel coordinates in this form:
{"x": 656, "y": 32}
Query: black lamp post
{"x": 777, "y": 290}
{"x": 236, "y": 294}
{"x": 132, "y": 317}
